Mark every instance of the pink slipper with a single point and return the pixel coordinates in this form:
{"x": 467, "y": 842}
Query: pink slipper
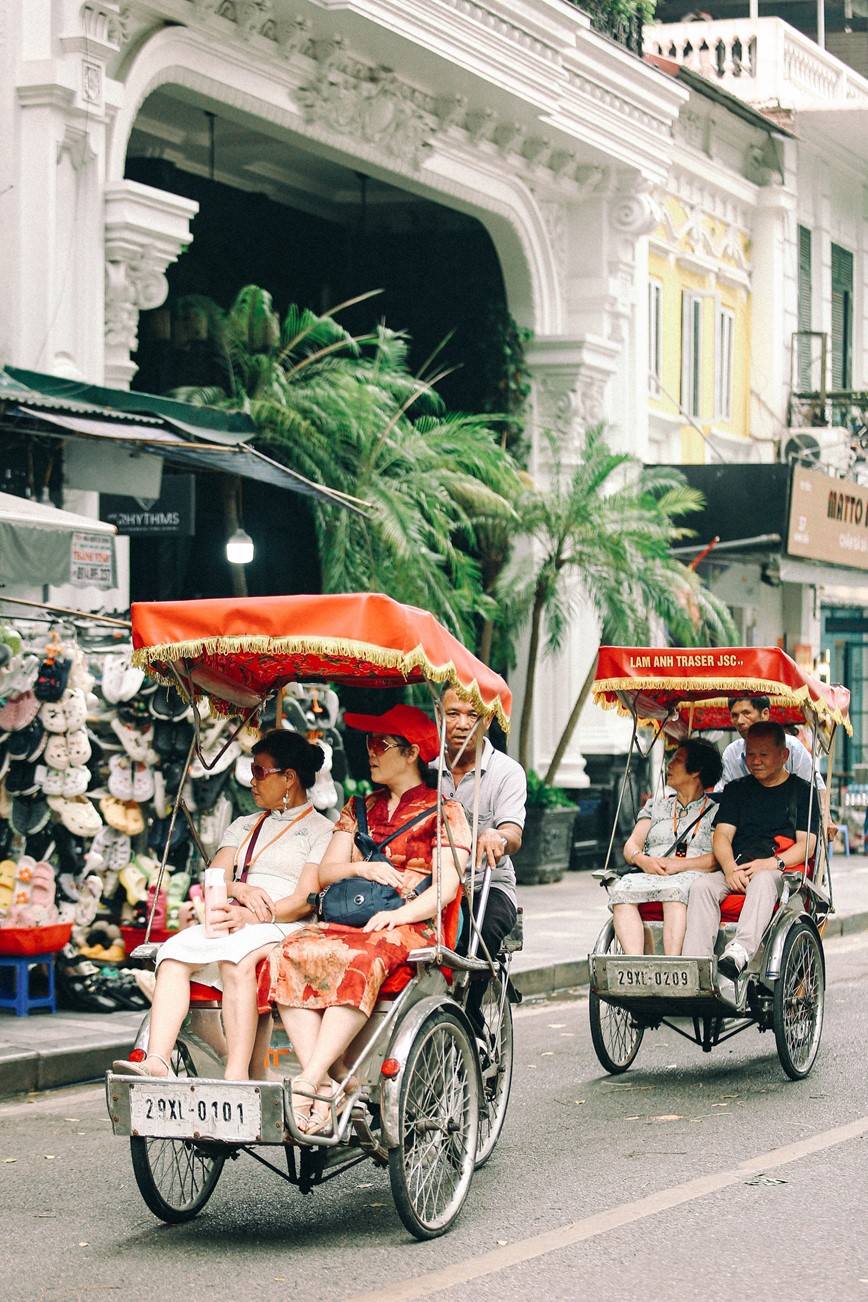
{"x": 42, "y": 893}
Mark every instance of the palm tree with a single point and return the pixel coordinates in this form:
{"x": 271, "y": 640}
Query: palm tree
{"x": 602, "y": 537}
{"x": 348, "y": 412}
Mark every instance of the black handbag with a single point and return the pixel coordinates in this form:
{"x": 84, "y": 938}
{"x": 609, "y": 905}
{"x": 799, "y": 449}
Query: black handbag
{"x": 351, "y": 901}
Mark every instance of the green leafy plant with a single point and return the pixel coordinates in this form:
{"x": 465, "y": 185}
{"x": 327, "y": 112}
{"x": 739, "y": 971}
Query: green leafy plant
{"x": 542, "y": 794}
{"x": 600, "y": 549}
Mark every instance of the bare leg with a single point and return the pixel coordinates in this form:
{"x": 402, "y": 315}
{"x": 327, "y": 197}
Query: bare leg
{"x": 302, "y": 1026}
{"x": 629, "y": 928}
{"x": 170, "y": 1006}
{"x": 240, "y": 1012}
{"x": 340, "y": 1025}
{"x": 258, "y": 1069}
{"x": 674, "y": 927}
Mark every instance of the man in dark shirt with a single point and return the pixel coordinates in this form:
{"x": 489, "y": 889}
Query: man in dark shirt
{"x": 753, "y": 812}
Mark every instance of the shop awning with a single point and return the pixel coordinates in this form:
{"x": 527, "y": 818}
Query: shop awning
{"x": 196, "y": 438}
{"x": 40, "y": 544}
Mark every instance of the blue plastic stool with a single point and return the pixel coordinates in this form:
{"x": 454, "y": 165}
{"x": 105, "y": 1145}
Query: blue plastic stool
{"x": 15, "y": 983}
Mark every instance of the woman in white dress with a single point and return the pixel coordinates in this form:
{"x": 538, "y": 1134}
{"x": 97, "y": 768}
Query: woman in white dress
{"x": 683, "y": 820}
{"x": 274, "y": 847}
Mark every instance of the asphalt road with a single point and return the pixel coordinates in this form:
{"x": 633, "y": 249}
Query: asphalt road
{"x": 601, "y": 1187}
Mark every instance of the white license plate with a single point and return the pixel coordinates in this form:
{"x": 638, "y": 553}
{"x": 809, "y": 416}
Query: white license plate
{"x": 648, "y": 980}
{"x": 187, "y": 1110}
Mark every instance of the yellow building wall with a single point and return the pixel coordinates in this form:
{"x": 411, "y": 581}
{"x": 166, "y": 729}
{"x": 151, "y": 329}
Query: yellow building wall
{"x": 721, "y": 278}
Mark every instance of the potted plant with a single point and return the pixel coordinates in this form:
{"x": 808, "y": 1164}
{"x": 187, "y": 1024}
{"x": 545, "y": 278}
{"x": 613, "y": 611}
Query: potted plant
{"x": 548, "y": 834}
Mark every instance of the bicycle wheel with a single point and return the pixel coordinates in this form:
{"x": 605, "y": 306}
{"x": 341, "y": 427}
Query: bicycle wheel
{"x": 614, "y": 1032}
{"x": 432, "y": 1166}
{"x": 798, "y": 1001}
{"x": 175, "y": 1178}
{"x": 496, "y": 1068}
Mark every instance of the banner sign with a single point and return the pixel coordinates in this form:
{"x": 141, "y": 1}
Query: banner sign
{"x": 172, "y": 513}
{"x": 828, "y": 519}
{"x": 91, "y": 559}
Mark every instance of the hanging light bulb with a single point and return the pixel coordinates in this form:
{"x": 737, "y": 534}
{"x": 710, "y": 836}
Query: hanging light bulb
{"x": 239, "y": 548}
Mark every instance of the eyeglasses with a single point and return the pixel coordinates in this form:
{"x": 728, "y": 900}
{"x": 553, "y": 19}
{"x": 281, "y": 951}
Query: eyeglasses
{"x": 379, "y": 745}
{"x": 258, "y": 771}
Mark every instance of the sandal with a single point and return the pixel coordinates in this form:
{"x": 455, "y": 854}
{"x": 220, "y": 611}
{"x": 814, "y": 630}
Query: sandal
{"x": 301, "y": 1100}
{"x": 123, "y": 1067}
{"x": 321, "y": 1112}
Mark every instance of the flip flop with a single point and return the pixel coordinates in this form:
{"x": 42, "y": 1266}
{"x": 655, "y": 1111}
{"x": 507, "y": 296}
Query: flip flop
{"x": 8, "y": 868}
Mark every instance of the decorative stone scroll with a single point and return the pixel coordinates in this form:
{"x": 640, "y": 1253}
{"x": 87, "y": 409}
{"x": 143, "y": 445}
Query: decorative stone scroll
{"x": 145, "y": 231}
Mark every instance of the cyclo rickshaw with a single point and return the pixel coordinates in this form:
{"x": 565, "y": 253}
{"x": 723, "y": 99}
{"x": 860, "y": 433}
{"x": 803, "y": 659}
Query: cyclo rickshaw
{"x": 675, "y": 693}
{"x": 432, "y": 1097}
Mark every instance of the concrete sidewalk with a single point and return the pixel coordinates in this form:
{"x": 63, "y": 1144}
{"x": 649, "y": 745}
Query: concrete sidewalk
{"x": 561, "y": 924}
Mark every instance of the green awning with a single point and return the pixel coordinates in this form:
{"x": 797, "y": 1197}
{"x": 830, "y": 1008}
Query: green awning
{"x": 182, "y": 434}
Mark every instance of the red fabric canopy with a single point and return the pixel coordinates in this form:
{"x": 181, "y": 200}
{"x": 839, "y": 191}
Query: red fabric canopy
{"x": 696, "y": 681}
{"x": 239, "y": 650}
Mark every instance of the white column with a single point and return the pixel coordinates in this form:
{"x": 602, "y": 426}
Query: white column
{"x": 773, "y": 309}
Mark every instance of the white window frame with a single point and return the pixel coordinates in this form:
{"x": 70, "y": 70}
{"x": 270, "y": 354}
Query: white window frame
{"x": 724, "y": 359}
{"x": 692, "y": 305}
{"x": 655, "y": 336}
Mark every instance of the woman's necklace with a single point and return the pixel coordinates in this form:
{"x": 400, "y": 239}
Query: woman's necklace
{"x": 684, "y": 809}
{"x": 255, "y": 828}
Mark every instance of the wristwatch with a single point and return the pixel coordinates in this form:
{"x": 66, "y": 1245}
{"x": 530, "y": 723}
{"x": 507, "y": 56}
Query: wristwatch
{"x": 782, "y": 867}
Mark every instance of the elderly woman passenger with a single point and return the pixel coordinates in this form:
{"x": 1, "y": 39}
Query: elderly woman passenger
{"x": 326, "y": 979}
{"x": 683, "y": 820}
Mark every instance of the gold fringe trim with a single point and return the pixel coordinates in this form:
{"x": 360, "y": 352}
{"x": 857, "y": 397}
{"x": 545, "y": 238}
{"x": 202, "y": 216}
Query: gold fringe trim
{"x": 403, "y": 662}
{"x": 725, "y": 686}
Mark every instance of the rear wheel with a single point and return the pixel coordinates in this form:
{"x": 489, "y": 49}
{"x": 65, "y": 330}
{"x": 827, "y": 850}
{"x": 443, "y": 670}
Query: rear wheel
{"x": 432, "y": 1166}
{"x": 798, "y": 1001}
{"x": 175, "y": 1178}
{"x": 615, "y": 1034}
{"x": 496, "y": 1068}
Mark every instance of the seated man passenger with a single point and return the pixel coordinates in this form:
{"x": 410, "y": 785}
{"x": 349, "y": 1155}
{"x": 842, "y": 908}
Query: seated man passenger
{"x": 770, "y": 803}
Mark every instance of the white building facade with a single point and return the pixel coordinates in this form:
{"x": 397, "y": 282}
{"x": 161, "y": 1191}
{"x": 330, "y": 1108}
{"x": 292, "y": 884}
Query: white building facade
{"x": 513, "y": 111}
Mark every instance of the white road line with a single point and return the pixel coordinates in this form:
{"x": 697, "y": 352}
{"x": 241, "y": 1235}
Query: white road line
{"x": 567, "y": 1235}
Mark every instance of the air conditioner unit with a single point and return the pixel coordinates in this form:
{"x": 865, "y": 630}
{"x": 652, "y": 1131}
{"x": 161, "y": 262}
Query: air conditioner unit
{"x": 823, "y": 447}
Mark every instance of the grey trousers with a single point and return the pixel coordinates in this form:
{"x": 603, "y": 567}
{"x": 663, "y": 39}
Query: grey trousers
{"x": 703, "y": 912}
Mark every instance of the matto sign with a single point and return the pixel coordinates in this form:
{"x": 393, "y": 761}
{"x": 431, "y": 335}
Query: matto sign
{"x": 828, "y": 519}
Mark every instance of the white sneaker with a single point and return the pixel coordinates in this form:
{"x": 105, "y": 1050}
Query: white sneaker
{"x": 733, "y": 960}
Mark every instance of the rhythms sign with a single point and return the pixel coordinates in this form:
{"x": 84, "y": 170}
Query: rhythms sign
{"x": 173, "y": 512}
{"x": 828, "y": 519}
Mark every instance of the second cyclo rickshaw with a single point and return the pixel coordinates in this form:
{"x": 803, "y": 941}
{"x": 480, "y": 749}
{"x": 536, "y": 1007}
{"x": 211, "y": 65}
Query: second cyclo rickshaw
{"x": 675, "y": 693}
{"x": 432, "y": 1097}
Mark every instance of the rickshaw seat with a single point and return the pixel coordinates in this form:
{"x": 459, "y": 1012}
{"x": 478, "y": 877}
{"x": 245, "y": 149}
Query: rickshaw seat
{"x": 730, "y": 907}
{"x": 200, "y": 994}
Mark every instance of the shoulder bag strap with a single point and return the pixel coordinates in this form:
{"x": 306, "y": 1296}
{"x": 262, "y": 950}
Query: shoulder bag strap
{"x": 426, "y": 813}
{"x": 361, "y": 808}
{"x": 242, "y": 876}
{"x": 681, "y": 835}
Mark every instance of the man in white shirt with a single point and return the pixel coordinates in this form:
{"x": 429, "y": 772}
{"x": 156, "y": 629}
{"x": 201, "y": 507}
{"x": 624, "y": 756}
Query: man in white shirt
{"x": 502, "y": 800}
{"x": 744, "y": 712}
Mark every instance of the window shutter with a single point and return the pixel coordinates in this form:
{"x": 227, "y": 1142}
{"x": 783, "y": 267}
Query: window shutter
{"x": 842, "y": 317}
{"x": 805, "y": 380}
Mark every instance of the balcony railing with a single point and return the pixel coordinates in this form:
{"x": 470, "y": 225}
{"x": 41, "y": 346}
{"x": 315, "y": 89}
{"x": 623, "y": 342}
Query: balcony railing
{"x": 762, "y": 60}
{"x": 618, "y": 19}
{"x": 838, "y": 408}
